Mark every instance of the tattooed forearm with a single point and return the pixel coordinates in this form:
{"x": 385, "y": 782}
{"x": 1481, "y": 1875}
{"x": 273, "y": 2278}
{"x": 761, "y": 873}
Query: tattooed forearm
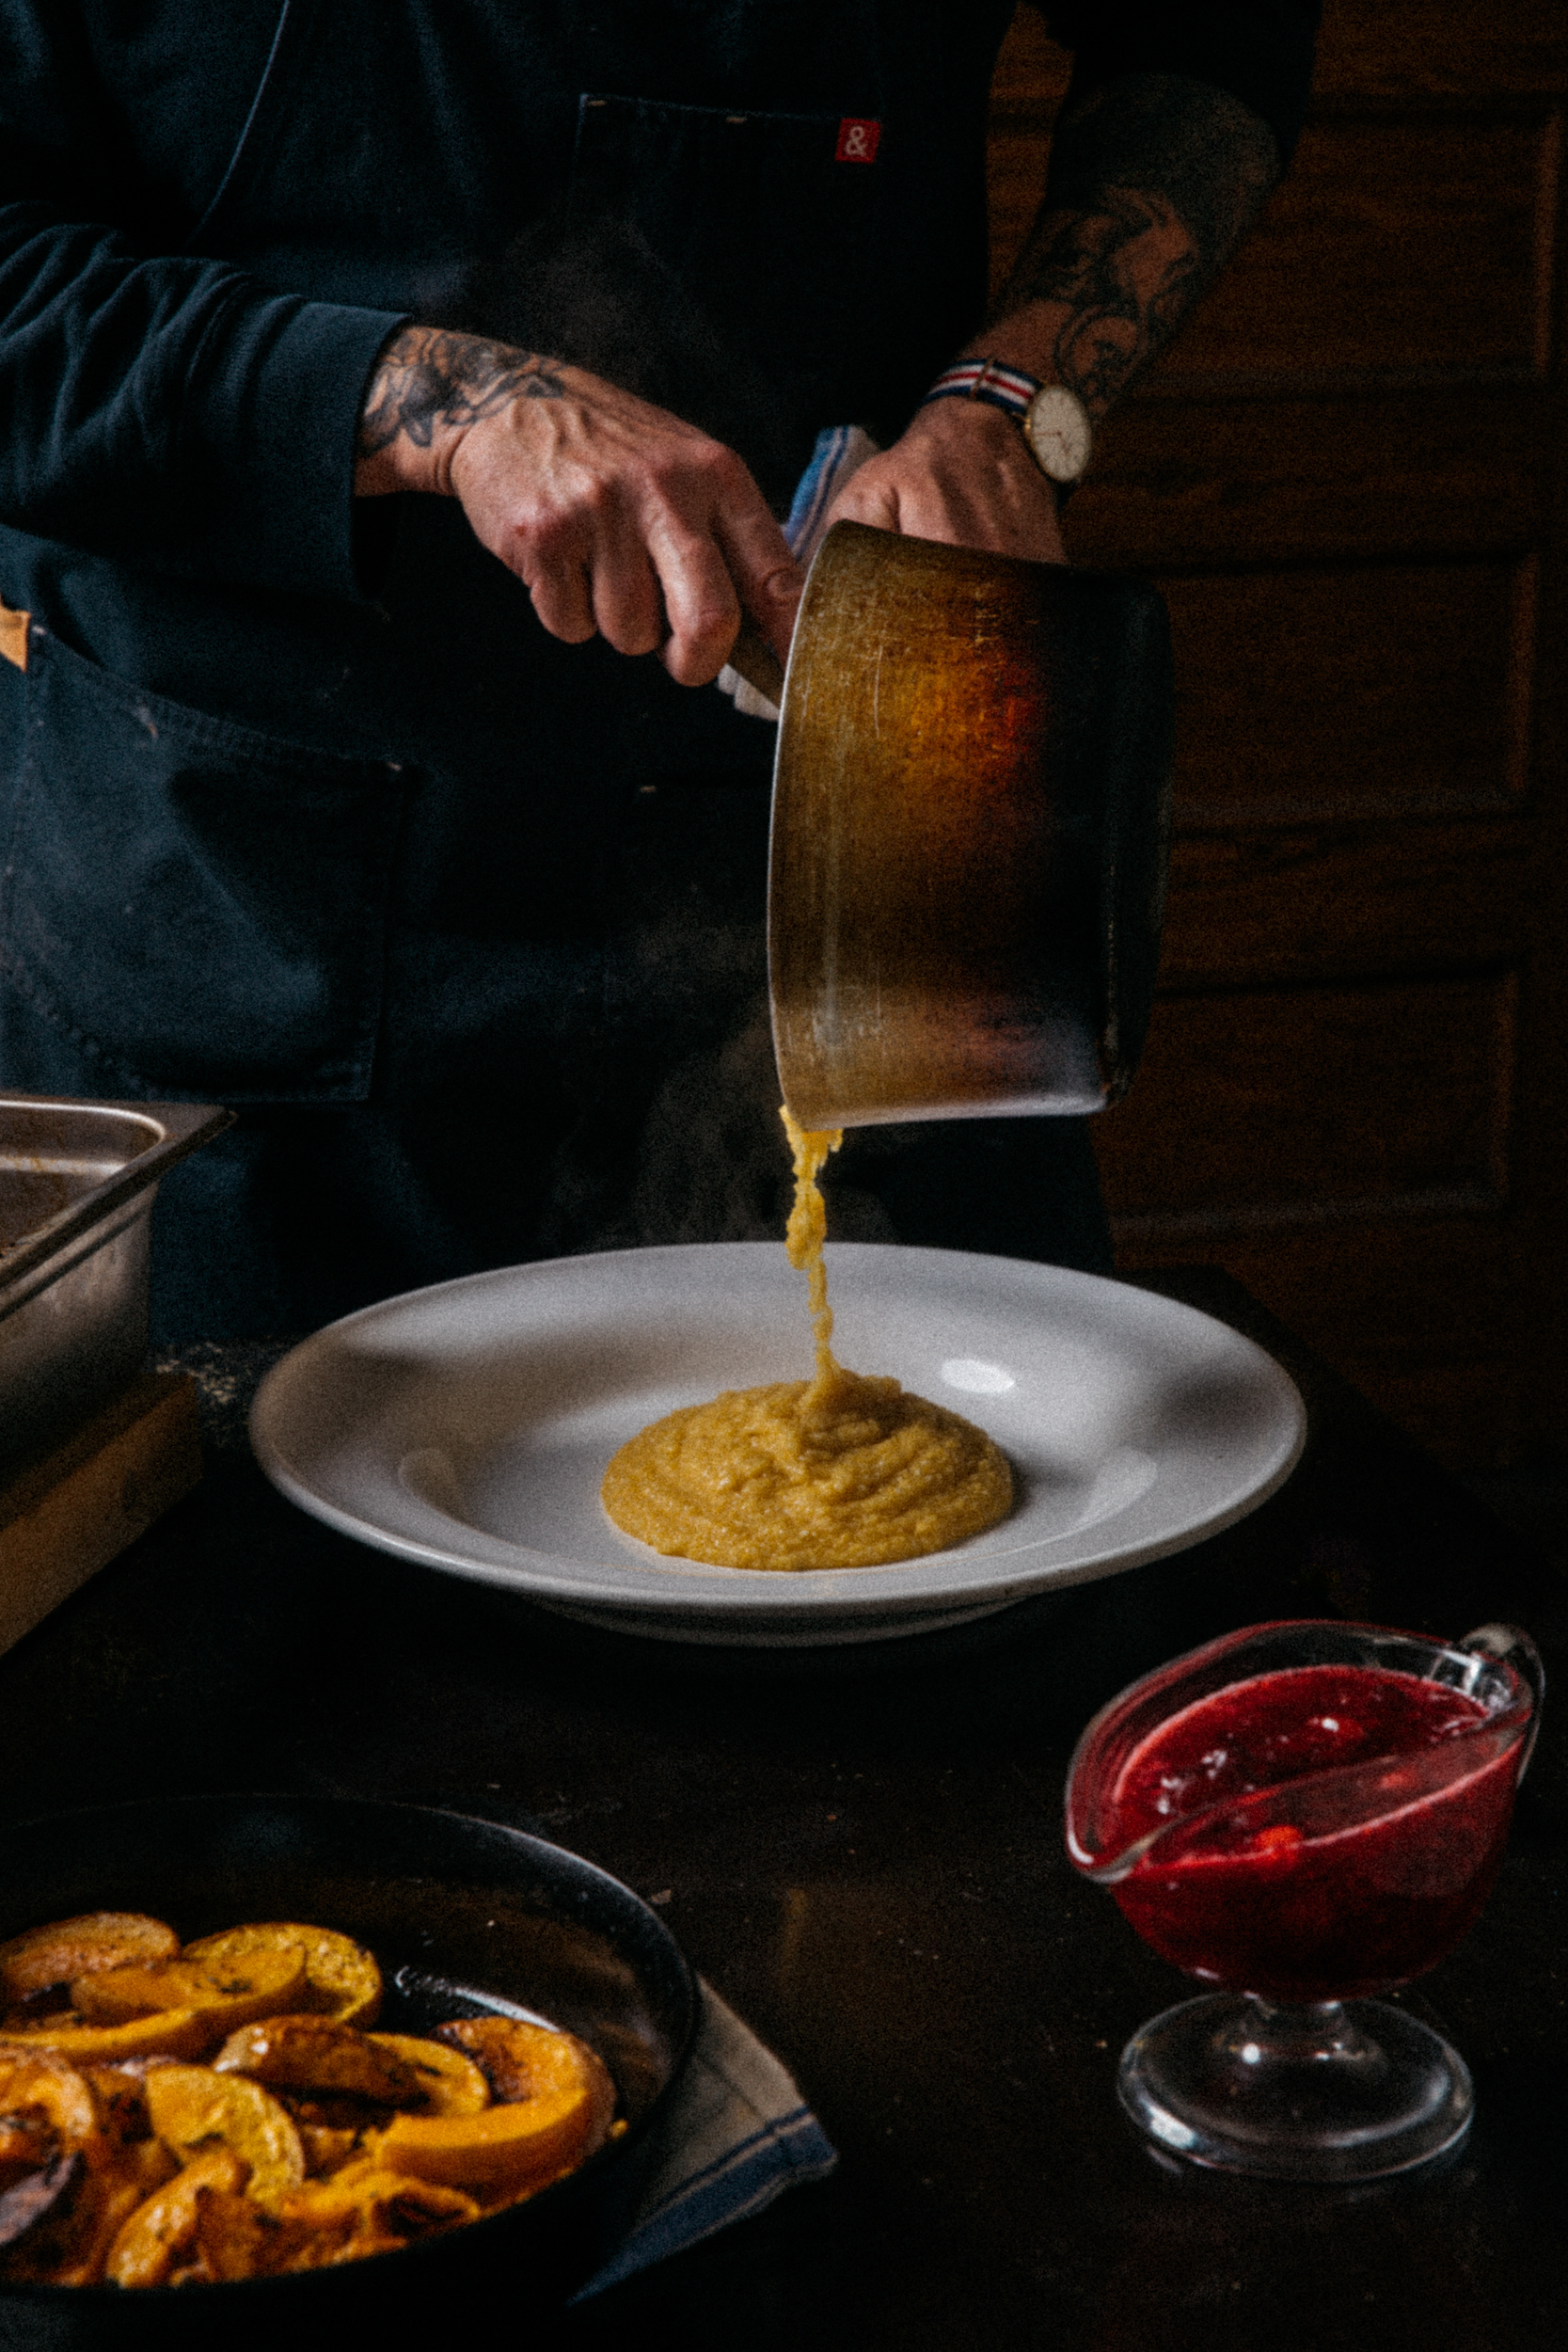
{"x": 427, "y": 379}
{"x": 1126, "y": 277}
{"x": 1153, "y": 181}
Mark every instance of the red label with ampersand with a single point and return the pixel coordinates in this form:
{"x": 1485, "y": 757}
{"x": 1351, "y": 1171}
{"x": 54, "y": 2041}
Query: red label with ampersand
{"x": 857, "y": 141}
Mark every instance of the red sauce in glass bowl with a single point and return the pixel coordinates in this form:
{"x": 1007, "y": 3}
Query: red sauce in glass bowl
{"x": 1316, "y": 1844}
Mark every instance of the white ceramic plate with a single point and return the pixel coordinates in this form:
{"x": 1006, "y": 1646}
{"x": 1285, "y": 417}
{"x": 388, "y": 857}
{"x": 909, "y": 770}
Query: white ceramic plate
{"x": 468, "y": 1425}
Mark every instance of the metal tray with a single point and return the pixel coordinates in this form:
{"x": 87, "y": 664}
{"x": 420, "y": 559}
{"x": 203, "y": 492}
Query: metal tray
{"x": 77, "y": 1181}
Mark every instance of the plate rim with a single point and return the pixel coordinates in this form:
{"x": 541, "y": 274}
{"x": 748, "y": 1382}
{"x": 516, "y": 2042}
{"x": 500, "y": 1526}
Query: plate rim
{"x": 754, "y": 1606}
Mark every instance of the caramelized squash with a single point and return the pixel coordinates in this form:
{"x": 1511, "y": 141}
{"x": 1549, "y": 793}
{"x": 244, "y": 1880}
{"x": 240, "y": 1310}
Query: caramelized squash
{"x": 31, "y": 2198}
{"x": 231, "y": 1991}
{"x": 523, "y": 2145}
{"x": 343, "y": 1977}
{"x": 176, "y": 2033}
{"x": 447, "y": 2080}
{"x": 306, "y": 2140}
{"x": 32, "y": 2079}
{"x": 67, "y": 1949}
{"x": 148, "y": 2244}
{"x": 517, "y": 2059}
{"x": 319, "y": 2054}
{"x": 191, "y": 2108}
{"x": 383, "y": 2208}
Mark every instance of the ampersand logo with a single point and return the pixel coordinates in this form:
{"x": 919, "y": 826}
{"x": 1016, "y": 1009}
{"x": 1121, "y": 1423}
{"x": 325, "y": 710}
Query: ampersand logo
{"x": 857, "y": 141}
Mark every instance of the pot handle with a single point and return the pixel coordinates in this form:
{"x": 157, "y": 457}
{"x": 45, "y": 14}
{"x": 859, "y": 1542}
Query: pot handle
{"x": 756, "y": 662}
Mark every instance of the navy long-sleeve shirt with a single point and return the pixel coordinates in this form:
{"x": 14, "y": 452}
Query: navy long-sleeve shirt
{"x": 180, "y": 382}
{"x": 360, "y": 839}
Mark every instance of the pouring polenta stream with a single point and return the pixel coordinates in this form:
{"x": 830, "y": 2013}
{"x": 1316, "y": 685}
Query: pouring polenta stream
{"x": 838, "y": 1471}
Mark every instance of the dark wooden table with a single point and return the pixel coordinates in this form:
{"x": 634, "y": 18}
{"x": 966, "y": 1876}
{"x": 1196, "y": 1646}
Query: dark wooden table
{"x": 862, "y": 1848}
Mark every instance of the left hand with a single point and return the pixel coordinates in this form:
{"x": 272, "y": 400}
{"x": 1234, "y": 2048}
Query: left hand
{"x": 962, "y": 474}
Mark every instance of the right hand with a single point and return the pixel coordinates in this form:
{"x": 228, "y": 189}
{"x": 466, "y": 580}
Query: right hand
{"x": 960, "y": 473}
{"x": 623, "y": 520}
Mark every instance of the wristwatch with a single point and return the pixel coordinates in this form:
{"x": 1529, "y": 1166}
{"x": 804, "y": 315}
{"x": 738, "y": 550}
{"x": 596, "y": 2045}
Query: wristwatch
{"x": 1054, "y": 421}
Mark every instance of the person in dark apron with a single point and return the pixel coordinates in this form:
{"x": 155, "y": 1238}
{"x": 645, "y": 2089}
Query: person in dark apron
{"x": 307, "y": 811}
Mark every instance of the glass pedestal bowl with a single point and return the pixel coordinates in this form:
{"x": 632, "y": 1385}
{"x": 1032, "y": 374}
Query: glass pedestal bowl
{"x": 1304, "y": 1814}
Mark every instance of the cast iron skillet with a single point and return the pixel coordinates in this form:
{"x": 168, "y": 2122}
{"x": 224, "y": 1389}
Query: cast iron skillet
{"x": 464, "y": 1916}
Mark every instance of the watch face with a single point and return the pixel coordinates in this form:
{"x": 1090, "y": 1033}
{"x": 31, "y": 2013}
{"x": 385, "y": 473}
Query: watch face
{"x": 1058, "y": 430}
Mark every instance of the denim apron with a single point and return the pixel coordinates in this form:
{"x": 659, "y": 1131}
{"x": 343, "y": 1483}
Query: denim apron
{"x": 465, "y": 923}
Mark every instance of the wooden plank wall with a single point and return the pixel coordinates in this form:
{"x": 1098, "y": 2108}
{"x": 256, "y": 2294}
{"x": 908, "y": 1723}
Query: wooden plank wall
{"x": 1348, "y": 478}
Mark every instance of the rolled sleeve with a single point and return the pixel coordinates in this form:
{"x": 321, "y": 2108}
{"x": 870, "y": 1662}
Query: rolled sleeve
{"x": 172, "y": 412}
{"x": 268, "y": 442}
{"x": 1260, "y": 51}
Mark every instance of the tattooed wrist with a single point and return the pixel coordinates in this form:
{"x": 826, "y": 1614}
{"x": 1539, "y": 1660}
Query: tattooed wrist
{"x": 1121, "y": 279}
{"x": 429, "y": 381}
{"x": 1152, "y": 183}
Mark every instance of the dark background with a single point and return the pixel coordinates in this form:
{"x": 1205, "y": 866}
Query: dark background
{"x": 1347, "y": 476}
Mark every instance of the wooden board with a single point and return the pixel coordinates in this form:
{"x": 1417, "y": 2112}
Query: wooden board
{"x": 69, "y": 1514}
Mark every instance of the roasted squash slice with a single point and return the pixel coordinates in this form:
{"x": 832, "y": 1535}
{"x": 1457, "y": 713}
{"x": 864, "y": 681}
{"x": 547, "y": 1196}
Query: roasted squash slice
{"x": 447, "y": 2080}
{"x": 319, "y": 2054}
{"x": 515, "y": 2149}
{"x": 343, "y": 1977}
{"x": 147, "y": 2244}
{"x": 516, "y": 2058}
{"x": 33, "y": 2199}
{"x": 395, "y": 2206}
{"x": 33, "y": 2078}
{"x": 177, "y": 2033}
{"x": 233, "y": 1990}
{"x": 193, "y": 2108}
{"x": 69, "y": 1949}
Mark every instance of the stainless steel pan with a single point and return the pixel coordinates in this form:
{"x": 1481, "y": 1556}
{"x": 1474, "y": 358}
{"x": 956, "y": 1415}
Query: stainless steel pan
{"x": 77, "y": 1181}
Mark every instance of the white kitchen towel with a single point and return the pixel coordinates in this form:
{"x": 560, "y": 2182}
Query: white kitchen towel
{"x": 737, "y": 2136}
{"x": 841, "y": 450}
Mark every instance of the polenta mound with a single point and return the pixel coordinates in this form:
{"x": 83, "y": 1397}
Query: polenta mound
{"x": 838, "y": 1471}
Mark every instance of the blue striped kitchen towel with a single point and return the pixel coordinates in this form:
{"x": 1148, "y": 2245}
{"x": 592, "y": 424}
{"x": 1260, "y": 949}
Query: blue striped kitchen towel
{"x": 738, "y": 2134}
{"x": 841, "y": 450}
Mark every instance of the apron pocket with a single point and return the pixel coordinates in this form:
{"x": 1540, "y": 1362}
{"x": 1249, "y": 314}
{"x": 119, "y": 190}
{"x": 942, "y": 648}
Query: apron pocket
{"x": 203, "y": 906}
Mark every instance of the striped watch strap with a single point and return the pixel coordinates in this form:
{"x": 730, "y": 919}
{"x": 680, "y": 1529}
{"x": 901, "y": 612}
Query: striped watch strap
{"x": 986, "y": 379}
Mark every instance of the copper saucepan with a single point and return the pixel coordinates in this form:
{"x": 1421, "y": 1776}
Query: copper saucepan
{"x": 971, "y": 810}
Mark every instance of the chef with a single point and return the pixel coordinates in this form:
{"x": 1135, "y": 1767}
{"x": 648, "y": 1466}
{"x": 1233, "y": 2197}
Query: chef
{"x": 400, "y": 400}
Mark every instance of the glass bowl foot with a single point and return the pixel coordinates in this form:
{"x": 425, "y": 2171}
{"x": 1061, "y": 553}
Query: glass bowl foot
{"x": 1329, "y": 2091}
